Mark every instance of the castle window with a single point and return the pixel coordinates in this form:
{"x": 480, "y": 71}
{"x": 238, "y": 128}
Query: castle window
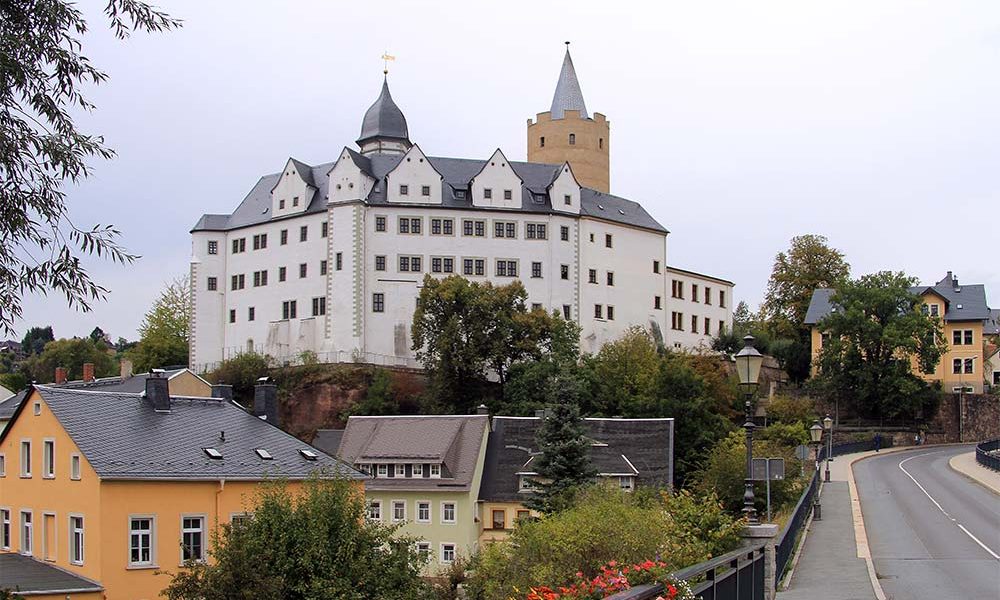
{"x": 564, "y": 233}
{"x": 284, "y": 237}
{"x": 566, "y": 311}
{"x": 323, "y": 266}
{"x": 378, "y": 302}
{"x": 564, "y": 271}
{"x": 232, "y": 315}
{"x": 536, "y": 269}
{"x": 572, "y": 139}
{"x": 295, "y": 201}
{"x": 281, "y": 205}
{"x": 507, "y": 194}
{"x": 541, "y": 141}
{"x": 488, "y": 193}
{"x": 611, "y": 313}
{"x": 379, "y": 223}
{"x": 339, "y": 260}
{"x": 404, "y": 190}
{"x": 425, "y": 190}
{"x": 289, "y": 309}
{"x": 303, "y": 233}
{"x": 281, "y": 273}
{"x": 658, "y": 304}
{"x": 213, "y": 247}
{"x": 656, "y": 266}
{"x": 567, "y": 199}
{"x": 319, "y": 306}
{"x": 213, "y": 284}
{"x": 324, "y": 229}
{"x": 598, "y": 311}
{"x": 380, "y": 263}
{"x": 600, "y": 143}
{"x": 251, "y": 313}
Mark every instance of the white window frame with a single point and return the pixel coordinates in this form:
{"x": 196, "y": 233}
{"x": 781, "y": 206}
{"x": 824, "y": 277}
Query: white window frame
{"x": 3, "y": 464}
{"x": 435, "y": 471}
{"x": 382, "y": 471}
{"x": 29, "y": 526}
{"x": 454, "y": 512}
{"x": 392, "y": 507}
{"x": 430, "y": 507}
{"x": 37, "y": 408}
{"x": 77, "y": 554}
{"x": 417, "y": 470}
{"x": 626, "y": 483}
{"x": 400, "y": 470}
{"x": 424, "y": 548}
{"x": 376, "y": 504}
{"x": 25, "y": 456}
{"x": 48, "y": 458}
{"x": 203, "y": 531}
{"x": 142, "y": 564}
{"x": 454, "y": 552}
{"x": 7, "y": 526}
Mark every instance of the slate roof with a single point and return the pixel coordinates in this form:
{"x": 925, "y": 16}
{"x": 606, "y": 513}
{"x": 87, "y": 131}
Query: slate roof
{"x": 568, "y": 95}
{"x": 328, "y": 440}
{"x": 962, "y": 302}
{"x": 453, "y": 440}
{"x": 456, "y": 173}
{"x": 27, "y": 576}
{"x": 384, "y": 119}
{"x": 9, "y": 405}
{"x": 640, "y": 447}
{"x": 134, "y": 384}
{"x": 122, "y": 437}
{"x": 993, "y": 323}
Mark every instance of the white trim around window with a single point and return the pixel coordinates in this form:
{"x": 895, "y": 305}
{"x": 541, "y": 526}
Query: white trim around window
{"x": 393, "y": 505}
{"x": 449, "y": 548}
{"x": 454, "y": 512}
{"x": 374, "y": 510}
{"x": 141, "y": 541}
{"x": 6, "y": 528}
{"x": 194, "y": 533}
{"x": 77, "y": 540}
{"x": 3, "y": 464}
{"x": 26, "y": 528}
{"x": 424, "y": 507}
{"x": 48, "y": 458}
{"x": 25, "y": 455}
{"x": 75, "y": 469}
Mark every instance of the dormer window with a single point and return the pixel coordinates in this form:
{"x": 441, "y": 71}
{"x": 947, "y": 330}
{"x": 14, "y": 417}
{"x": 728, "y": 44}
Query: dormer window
{"x": 418, "y": 470}
{"x": 382, "y": 471}
{"x": 435, "y": 471}
{"x": 460, "y": 194}
{"x": 213, "y": 453}
{"x": 526, "y": 484}
{"x": 626, "y": 483}
{"x": 400, "y": 470}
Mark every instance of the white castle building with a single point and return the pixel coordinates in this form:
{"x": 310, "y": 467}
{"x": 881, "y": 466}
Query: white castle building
{"x": 330, "y": 258}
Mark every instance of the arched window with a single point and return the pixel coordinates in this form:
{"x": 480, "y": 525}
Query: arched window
{"x": 572, "y": 139}
{"x": 541, "y": 141}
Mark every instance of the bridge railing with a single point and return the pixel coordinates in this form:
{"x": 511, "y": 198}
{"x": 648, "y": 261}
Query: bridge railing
{"x": 987, "y": 454}
{"x": 738, "y": 575}
{"x": 785, "y": 544}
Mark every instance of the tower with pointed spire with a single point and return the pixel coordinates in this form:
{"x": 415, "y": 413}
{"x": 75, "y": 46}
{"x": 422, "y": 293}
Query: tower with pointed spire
{"x": 383, "y": 130}
{"x": 568, "y": 133}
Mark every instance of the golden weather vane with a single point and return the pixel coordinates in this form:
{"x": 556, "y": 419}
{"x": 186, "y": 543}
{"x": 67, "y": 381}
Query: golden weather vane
{"x": 386, "y": 57}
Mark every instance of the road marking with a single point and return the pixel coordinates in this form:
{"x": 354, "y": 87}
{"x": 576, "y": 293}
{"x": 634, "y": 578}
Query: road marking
{"x": 937, "y": 504}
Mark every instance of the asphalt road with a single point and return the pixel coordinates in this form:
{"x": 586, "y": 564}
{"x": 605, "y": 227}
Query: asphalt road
{"x": 933, "y": 533}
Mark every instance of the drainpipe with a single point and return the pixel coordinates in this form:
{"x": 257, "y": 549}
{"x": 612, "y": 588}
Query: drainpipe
{"x": 222, "y": 486}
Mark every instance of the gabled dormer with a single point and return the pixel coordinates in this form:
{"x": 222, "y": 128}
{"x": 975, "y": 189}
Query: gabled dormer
{"x": 414, "y": 180}
{"x": 564, "y": 191}
{"x": 294, "y": 190}
{"x": 350, "y": 177}
{"x": 496, "y": 185}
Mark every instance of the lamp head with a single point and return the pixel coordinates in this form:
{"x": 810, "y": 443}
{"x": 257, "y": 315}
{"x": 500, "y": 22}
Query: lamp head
{"x": 816, "y": 432}
{"x": 827, "y": 423}
{"x": 748, "y": 364}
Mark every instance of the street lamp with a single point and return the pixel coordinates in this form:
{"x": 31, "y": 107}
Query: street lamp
{"x": 828, "y": 426}
{"x": 816, "y": 435}
{"x": 748, "y": 363}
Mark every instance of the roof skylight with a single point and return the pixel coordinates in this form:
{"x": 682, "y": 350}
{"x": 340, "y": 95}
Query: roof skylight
{"x": 308, "y": 454}
{"x": 213, "y": 453}
{"x": 264, "y": 454}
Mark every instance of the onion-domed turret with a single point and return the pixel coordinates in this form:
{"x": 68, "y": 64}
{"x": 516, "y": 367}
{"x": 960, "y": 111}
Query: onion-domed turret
{"x": 383, "y": 129}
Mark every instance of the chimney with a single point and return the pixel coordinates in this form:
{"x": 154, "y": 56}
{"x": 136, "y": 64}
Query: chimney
{"x": 482, "y": 410}
{"x": 60, "y": 375}
{"x": 88, "y": 372}
{"x": 265, "y": 401}
{"x": 126, "y": 368}
{"x": 222, "y": 390}
{"x": 158, "y": 391}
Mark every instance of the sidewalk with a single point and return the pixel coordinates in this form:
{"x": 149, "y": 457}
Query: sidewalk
{"x": 966, "y": 465}
{"x": 830, "y": 566}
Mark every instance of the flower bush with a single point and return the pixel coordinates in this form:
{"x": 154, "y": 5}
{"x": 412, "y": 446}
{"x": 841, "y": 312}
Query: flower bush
{"x": 613, "y": 578}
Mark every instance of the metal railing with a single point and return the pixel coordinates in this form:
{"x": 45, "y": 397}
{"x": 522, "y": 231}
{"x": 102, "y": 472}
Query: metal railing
{"x": 785, "y": 543}
{"x": 738, "y": 575}
{"x": 988, "y": 454}
{"x": 852, "y": 447}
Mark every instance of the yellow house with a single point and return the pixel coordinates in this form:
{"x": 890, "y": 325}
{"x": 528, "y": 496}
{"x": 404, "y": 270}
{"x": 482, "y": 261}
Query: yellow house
{"x": 113, "y": 487}
{"x": 625, "y": 452}
{"x": 964, "y": 317}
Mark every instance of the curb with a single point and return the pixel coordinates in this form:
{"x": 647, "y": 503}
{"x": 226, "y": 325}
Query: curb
{"x": 972, "y": 476}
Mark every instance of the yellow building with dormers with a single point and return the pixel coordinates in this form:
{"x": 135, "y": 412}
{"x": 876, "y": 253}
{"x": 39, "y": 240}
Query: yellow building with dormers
{"x": 964, "y": 316}
{"x": 113, "y": 487}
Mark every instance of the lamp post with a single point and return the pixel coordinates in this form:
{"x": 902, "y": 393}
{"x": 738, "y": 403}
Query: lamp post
{"x": 748, "y": 363}
{"x": 816, "y": 435}
{"x": 828, "y": 426}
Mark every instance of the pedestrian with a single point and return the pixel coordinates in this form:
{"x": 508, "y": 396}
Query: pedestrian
{"x": 878, "y": 441}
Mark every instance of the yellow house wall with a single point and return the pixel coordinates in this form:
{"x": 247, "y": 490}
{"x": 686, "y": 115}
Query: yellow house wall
{"x": 73, "y": 596}
{"x": 591, "y": 163}
{"x": 187, "y": 383}
{"x": 60, "y": 495}
{"x": 487, "y": 534}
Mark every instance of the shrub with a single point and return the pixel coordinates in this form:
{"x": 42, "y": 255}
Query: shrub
{"x": 242, "y": 372}
{"x": 789, "y": 409}
{"x": 603, "y": 525}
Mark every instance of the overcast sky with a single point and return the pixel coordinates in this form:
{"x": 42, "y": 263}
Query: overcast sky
{"x": 737, "y": 125}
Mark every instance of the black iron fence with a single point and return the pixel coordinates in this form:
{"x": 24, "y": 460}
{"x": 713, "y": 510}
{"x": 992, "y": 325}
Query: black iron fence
{"x": 785, "y": 543}
{"x": 852, "y": 447}
{"x": 738, "y": 575}
{"x": 988, "y": 454}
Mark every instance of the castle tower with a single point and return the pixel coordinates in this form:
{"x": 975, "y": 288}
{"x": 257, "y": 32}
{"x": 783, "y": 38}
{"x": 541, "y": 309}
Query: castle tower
{"x": 567, "y": 133}
{"x": 383, "y": 130}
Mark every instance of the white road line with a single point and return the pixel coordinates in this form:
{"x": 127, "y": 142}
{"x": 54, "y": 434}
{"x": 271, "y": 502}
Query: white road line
{"x": 943, "y": 511}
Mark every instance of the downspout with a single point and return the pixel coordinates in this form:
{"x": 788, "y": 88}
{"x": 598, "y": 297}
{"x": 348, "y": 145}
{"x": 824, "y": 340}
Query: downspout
{"x": 222, "y": 486}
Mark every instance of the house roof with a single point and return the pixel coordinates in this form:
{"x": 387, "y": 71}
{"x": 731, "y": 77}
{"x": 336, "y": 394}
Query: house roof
{"x": 454, "y": 441}
{"x": 122, "y": 437}
{"x": 9, "y": 405}
{"x": 133, "y": 384}
{"x": 993, "y": 323}
{"x": 568, "y": 95}
{"x": 639, "y": 447}
{"x": 27, "y": 577}
{"x": 962, "y": 302}
{"x": 328, "y": 440}
{"x": 456, "y": 173}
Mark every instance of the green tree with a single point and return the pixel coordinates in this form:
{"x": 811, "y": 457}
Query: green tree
{"x": 462, "y": 330}
{"x": 604, "y": 524}
{"x": 624, "y": 373}
{"x": 165, "y": 330}
{"x": 242, "y": 372}
{"x": 35, "y": 339}
{"x": 71, "y": 354}
{"x": 43, "y": 71}
{"x": 380, "y": 398}
{"x": 875, "y": 336}
{"x": 808, "y": 264}
{"x": 563, "y": 465}
{"x": 314, "y": 544}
